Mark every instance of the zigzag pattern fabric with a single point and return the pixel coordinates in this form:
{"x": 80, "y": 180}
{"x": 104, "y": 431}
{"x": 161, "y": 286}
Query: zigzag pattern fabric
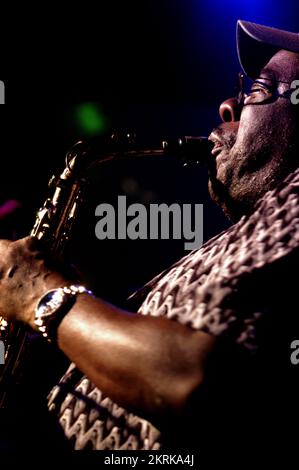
{"x": 218, "y": 289}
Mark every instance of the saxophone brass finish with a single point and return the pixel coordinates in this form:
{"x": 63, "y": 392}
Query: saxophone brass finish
{"x": 55, "y": 220}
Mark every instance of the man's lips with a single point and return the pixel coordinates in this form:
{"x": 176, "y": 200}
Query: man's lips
{"x": 218, "y": 144}
{"x": 217, "y": 149}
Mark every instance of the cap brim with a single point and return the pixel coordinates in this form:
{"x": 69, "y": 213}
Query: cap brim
{"x": 256, "y": 44}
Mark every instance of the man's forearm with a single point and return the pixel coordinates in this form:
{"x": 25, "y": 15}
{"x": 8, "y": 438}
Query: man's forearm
{"x": 149, "y": 365}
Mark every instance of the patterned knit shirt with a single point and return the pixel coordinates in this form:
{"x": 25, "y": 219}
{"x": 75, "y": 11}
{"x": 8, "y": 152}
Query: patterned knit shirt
{"x": 216, "y": 289}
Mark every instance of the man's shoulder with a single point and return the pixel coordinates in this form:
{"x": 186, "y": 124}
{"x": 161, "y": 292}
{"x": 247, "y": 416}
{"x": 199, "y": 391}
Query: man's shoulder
{"x": 270, "y": 233}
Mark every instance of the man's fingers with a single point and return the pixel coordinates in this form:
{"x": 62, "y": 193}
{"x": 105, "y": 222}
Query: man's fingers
{"x": 5, "y": 245}
{"x": 28, "y": 243}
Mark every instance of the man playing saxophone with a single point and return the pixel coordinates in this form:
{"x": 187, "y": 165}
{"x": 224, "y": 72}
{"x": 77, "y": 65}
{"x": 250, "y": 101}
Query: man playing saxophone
{"x": 211, "y": 340}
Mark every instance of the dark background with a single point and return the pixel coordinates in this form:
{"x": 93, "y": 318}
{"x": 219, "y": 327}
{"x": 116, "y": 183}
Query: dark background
{"x": 158, "y": 68}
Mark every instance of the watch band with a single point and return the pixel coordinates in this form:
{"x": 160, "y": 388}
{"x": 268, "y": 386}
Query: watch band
{"x": 53, "y": 306}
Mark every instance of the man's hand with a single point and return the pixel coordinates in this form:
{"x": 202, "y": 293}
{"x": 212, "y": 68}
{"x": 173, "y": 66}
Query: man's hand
{"x": 26, "y": 273}
{"x": 149, "y": 365}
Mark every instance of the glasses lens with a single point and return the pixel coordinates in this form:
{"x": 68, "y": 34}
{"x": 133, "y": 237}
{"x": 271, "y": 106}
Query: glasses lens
{"x": 254, "y": 91}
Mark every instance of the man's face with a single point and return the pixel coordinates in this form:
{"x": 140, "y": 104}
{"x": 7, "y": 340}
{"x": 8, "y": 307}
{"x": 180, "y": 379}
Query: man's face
{"x": 259, "y": 146}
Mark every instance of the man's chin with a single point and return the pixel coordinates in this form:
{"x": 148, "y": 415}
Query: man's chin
{"x": 220, "y": 195}
{"x": 212, "y": 192}
{"x": 217, "y": 190}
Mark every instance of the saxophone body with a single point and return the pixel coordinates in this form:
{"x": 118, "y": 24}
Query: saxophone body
{"x": 53, "y": 224}
{"x": 55, "y": 220}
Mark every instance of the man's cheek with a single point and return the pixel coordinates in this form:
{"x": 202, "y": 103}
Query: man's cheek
{"x": 248, "y": 132}
{"x": 251, "y": 121}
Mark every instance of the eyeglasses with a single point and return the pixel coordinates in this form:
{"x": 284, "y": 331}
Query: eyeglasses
{"x": 259, "y": 91}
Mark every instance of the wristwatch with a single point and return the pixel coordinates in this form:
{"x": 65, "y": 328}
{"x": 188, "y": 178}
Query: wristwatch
{"x": 53, "y": 306}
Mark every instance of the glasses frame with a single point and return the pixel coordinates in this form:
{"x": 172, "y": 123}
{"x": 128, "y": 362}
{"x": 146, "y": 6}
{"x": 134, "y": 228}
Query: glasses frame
{"x": 273, "y": 94}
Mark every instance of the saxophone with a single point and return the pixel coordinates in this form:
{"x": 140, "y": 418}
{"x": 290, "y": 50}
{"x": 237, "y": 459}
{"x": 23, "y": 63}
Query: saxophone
{"x": 55, "y": 220}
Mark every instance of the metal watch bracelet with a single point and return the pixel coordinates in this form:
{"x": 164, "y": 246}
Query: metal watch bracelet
{"x": 52, "y": 308}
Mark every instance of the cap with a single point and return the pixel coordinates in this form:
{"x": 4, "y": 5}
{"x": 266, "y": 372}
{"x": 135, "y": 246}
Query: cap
{"x": 256, "y": 44}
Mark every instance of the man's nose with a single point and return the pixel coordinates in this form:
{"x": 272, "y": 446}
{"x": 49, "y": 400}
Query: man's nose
{"x": 230, "y": 110}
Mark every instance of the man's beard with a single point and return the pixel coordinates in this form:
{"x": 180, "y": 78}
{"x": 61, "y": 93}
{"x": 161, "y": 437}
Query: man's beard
{"x": 241, "y": 182}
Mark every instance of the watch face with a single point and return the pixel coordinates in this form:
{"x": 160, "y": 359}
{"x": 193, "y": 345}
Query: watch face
{"x": 50, "y": 303}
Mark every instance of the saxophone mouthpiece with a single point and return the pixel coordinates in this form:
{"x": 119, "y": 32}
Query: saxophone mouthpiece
{"x": 190, "y": 149}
